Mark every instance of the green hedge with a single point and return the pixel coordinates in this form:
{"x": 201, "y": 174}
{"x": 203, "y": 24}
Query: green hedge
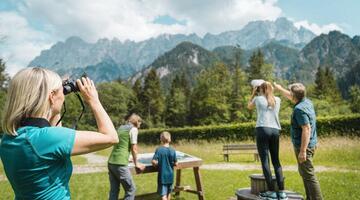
{"x": 348, "y": 125}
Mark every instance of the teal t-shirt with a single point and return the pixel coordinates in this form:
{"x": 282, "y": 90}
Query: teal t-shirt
{"x": 166, "y": 157}
{"x": 37, "y": 162}
{"x": 303, "y": 114}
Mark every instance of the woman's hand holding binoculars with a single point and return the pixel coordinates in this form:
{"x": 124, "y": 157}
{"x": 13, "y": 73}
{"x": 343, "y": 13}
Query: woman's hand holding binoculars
{"x": 88, "y": 90}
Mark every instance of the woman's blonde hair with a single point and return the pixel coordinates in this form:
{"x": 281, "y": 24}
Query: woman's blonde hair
{"x": 267, "y": 90}
{"x": 135, "y": 120}
{"x": 28, "y": 96}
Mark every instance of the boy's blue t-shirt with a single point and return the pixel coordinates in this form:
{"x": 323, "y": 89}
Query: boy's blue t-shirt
{"x": 37, "y": 162}
{"x": 166, "y": 157}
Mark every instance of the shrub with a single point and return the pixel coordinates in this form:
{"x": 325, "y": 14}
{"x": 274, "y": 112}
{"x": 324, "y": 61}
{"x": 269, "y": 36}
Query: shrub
{"x": 346, "y": 125}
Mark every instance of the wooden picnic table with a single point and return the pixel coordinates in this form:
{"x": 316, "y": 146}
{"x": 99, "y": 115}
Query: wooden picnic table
{"x": 184, "y": 161}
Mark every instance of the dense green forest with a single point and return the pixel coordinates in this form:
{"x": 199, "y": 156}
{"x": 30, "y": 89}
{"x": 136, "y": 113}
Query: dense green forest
{"x": 219, "y": 95}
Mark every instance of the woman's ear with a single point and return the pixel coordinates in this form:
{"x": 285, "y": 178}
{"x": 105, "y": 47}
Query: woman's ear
{"x": 52, "y": 98}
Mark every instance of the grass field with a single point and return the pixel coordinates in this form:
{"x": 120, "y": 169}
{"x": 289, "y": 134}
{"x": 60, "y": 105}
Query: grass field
{"x": 339, "y": 152}
{"x": 218, "y": 184}
{"x": 342, "y": 153}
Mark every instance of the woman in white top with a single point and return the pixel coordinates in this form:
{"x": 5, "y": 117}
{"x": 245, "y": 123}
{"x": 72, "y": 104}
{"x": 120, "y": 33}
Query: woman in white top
{"x": 267, "y": 136}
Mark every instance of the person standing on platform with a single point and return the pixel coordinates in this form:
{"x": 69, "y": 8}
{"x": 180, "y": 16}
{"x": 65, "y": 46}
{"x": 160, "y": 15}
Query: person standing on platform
{"x": 303, "y": 136}
{"x": 267, "y": 135}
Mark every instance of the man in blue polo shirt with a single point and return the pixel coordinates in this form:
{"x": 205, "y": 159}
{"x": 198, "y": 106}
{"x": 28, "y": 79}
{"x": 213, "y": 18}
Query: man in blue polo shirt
{"x": 303, "y": 136}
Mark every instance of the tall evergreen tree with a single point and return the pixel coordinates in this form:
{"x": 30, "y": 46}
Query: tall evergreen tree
{"x": 332, "y": 89}
{"x": 4, "y": 77}
{"x": 237, "y": 100}
{"x": 137, "y": 106}
{"x": 267, "y": 72}
{"x": 153, "y": 100}
{"x": 355, "y": 98}
{"x": 326, "y": 86}
{"x": 210, "y": 97}
{"x": 320, "y": 81}
{"x": 176, "y": 104}
{"x": 256, "y": 62}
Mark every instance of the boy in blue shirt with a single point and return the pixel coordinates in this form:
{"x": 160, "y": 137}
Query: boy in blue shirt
{"x": 165, "y": 160}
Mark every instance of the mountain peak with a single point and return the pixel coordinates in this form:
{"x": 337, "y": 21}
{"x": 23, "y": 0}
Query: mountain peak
{"x": 77, "y": 53}
{"x": 335, "y": 33}
{"x": 283, "y": 20}
{"x": 75, "y": 39}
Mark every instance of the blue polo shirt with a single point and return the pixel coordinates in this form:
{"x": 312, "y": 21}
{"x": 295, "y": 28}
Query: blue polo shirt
{"x": 37, "y": 161}
{"x": 303, "y": 114}
{"x": 166, "y": 157}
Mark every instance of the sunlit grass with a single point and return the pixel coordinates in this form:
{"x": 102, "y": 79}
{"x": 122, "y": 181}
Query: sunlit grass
{"x": 342, "y": 152}
{"x": 78, "y": 160}
{"x": 217, "y": 184}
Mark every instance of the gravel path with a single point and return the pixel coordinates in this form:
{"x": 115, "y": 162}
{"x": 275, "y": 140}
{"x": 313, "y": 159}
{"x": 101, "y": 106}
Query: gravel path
{"x": 234, "y": 166}
{"x": 97, "y": 163}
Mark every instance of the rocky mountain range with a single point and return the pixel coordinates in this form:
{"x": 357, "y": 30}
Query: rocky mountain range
{"x": 126, "y": 57}
{"x": 295, "y": 54}
{"x": 335, "y": 50}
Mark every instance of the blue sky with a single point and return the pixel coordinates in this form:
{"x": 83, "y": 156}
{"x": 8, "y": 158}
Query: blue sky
{"x": 344, "y": 13}
{"x": 30, "y": 26}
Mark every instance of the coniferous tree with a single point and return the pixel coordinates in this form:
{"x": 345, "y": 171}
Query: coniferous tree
{"x": 320, "y": 81}
{"x": 176, "y": 104}
{"x": 331, "y": 90}
{"x": 137, "y": 106}
{"x": 326, "y": 86}
{"x": 355, "y": 98}
{"x": 267, "y": 72}
{"x": 240, "y": 88}
{"x": 256, "y": 62}
{"x": 238, "y": 111}
{"x": 258, "y": 69}
{"x": 210, "y": 97}
{"x": 153, "y": 100}
{"x": 4, "y": 77}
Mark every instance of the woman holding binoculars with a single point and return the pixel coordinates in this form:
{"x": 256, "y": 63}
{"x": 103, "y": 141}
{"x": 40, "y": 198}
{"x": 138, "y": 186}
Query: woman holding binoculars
{"x": 34, "y": 151}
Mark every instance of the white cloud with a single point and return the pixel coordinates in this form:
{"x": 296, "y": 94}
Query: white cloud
{"x": 21, "y": 43}
{"x": 123, "y": 19}
{"x": 91, "y": 20}
{"x": 132, "y": 19}
{"x": 317, "y": 29}
{"x": 216, "y": 16}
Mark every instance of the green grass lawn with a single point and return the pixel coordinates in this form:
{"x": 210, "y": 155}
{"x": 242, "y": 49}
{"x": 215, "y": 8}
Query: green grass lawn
{"x": 341, "y": 152}
{"x": 78, "y": 160}
{"x": 1, "y": 168}
{"x": 217, "y": 184}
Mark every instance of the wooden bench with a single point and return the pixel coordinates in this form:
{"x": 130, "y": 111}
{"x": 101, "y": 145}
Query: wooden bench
{"x": 240, "y": 149}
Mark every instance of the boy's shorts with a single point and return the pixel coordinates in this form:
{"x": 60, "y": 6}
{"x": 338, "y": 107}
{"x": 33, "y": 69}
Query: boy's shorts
{"x": 164, "y": 189}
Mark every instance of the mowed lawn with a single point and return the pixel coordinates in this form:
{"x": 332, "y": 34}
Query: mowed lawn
{"x": 341, "y": 153}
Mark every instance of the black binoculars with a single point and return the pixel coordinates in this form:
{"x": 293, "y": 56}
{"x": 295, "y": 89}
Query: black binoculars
{"x": 70, "y": 85}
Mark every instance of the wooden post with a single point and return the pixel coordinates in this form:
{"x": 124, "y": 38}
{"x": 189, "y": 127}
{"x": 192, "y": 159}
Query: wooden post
{"x": 198, "y": 183}
{"x": 178, "y": 181}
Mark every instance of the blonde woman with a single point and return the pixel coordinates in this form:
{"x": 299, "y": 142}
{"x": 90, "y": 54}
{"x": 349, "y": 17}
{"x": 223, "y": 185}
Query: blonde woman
{"x": 267, "y": 136}
{"x": 119, "y": 172}
{"x": 36, "y": 153}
